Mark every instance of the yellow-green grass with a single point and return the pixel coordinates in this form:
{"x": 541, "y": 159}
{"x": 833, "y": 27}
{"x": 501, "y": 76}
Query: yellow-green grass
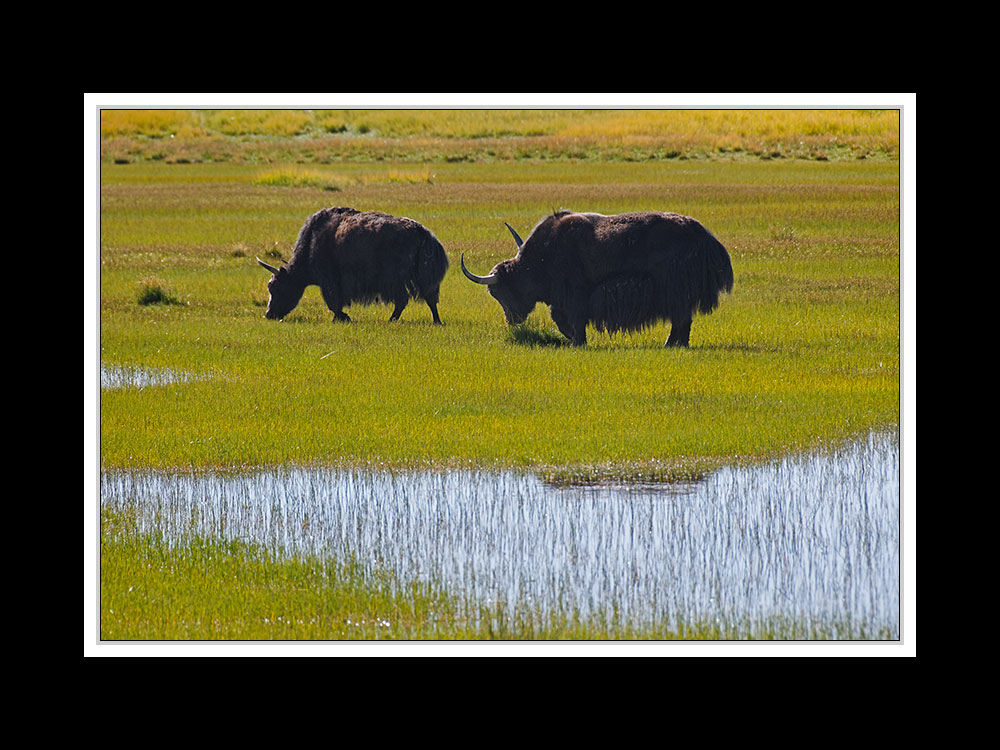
{"x": 270, "y": 136}
{"x": 714, "y": 124}
{"x": 206, "y": 589}
{"x": 804, "y": 352}
{"x": 212, "y": 590}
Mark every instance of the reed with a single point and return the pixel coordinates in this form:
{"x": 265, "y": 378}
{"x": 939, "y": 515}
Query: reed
{"x": 811, "y": 541}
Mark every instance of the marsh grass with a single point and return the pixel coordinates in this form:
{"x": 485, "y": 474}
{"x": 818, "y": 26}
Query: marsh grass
{"x": 152, "y": 291}
{"x": 210, "y": 590}
{"x": 806, "y": 547}
{"x": 804, "y": 351}
{"x": 205, "y": 589}
{"x": 214, "y": 590}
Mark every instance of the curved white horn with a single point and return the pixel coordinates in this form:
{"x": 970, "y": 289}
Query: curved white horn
{"x": 517, "y": 239}
{"x": 491, "y": 279}
{"x": 272, "y": 269}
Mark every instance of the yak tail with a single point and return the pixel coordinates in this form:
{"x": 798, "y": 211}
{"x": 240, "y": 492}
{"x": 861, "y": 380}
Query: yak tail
{"x": 715, "y": 275}
{"x": 432, "y": 263}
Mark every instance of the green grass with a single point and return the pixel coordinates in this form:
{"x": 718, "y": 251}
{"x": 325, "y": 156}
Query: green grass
{"x": 210, "y": 590}
{"x": 804, "y": 351}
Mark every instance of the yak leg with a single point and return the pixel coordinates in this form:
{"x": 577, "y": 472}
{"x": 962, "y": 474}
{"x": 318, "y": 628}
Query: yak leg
{"x": 561, "y": 320}
{"x": 680, "y": 332}
{"x": 432, "y": 303}
{"x": 434, "y": 311}
{"x": 400, "y": 306}
{"x": 333, "y": 302}
{"x": 578, "y": 322}
{"x": 574, "y": 330}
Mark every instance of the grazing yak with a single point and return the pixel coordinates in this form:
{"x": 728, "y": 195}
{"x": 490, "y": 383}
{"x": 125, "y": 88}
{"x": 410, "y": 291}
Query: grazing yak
{"x": 359, "y": 256}
{"x": 621, "y": 273}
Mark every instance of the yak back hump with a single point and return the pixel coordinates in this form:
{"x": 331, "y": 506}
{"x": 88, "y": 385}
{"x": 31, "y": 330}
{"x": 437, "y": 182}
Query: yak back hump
{"x": 630, "y": 243}
{"x": 359, "y": 242}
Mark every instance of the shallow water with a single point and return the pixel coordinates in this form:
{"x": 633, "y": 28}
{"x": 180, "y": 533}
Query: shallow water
{"x": 139, "y": 377}
{"x": 813, "y": 540}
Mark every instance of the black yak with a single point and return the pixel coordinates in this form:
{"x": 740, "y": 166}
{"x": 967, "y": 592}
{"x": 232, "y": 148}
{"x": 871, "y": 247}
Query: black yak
{"x": 362, "y": 257}
{"x": 621, "y": 273}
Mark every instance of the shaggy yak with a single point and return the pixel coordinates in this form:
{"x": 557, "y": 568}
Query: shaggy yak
{"x": 621, "y": 273}
{"x": 362, "y": 257}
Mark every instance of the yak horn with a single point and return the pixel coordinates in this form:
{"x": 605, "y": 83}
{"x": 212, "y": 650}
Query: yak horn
{"x": 491, "y": 279}
{"x": 517, "y": 239}
{"x": 272, "y": 269}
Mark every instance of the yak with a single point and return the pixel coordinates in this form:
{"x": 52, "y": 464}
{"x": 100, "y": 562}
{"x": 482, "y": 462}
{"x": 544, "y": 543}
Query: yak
{"x": 620, "y": 273}
{"x": 359, "y": 256}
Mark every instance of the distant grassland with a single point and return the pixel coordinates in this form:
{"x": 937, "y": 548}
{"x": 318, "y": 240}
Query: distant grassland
{"x": 275, "y": 135}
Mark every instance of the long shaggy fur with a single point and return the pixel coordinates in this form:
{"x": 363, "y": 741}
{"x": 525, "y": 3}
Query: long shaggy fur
{"x": 620, "y": 273}
{"x": 622, "y": 303}
{"x": 364, "y": 258}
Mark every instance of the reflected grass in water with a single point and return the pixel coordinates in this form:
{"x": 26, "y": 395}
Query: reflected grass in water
{"x": 805, "y": 547}
{"x": 140, "y": 377}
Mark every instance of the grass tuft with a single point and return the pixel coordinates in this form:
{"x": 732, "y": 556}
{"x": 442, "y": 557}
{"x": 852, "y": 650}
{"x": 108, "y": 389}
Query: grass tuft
{"x": 294, "y": 177}
{"x": 153, "y": 292}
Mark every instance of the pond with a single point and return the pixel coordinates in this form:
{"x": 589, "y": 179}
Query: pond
{"x": 812, "y": 540}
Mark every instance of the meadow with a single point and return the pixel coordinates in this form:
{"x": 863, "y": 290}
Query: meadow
{"x": 802, "y": 356}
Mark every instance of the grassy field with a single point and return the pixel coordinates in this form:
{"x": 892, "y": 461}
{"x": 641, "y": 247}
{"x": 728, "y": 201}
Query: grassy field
{"x": 805, "y": 352}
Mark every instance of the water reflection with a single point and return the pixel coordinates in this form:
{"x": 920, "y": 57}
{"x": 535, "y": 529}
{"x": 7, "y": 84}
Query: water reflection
{"x": 811, "y": 539}
{"x": 139, "y": 377}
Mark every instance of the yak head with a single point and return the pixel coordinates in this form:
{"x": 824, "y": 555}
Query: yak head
{"x": 512, "y": 283}
{"x": 284, "y": 292}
